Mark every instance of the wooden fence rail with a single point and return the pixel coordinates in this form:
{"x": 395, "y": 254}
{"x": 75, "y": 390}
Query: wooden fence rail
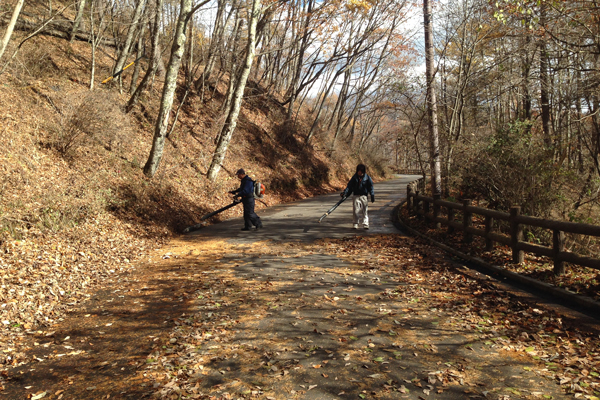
{"x": 410, "y": 171}
{"x": 431, "y": 207}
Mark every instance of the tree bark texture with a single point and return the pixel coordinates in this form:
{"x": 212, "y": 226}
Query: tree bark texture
{"x": 138, "y": 56}
{"x": 77, "y": 20}
{"x": 137, "y": 16}
{"x": 232, "y": 116}
{"x": 153, "y": 59}
{"x": 436, "y": 181}
{"x": 168, "y": 94}
{"x": 11, "y": 26}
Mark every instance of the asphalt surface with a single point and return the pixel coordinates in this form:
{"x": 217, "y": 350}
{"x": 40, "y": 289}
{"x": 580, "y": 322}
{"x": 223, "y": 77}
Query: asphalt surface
{"x": 426, "y": 355}
{"x": 268, "y": 314}
{"x": 299, "y": 221}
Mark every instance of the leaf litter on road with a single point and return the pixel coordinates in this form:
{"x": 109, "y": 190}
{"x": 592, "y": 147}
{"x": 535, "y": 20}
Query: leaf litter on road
{"x": 445, "y": 297}
{"x": 255, "y": 327}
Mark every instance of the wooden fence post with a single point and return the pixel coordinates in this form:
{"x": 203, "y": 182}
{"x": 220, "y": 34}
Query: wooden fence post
{"x": 489, "y": 223}
{"x": 450, "y": 219}
{"x": 516, "y": 235}
{"x": 416, "y": 204}
{"x": 426, "y": 210}
{"x": 408, "y": 198}
{"x": 436, "y": 210}
{"x": 558, "y": 245}
{"x": 467, "y": 222}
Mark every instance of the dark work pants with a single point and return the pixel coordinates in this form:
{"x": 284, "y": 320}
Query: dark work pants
{"x": 250, "y": 217}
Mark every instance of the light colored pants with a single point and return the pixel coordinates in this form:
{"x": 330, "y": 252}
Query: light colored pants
{"x": 360, "y": 208}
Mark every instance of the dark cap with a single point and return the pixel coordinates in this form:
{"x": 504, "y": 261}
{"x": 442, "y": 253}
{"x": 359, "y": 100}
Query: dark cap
{"x": 240, "y": 171}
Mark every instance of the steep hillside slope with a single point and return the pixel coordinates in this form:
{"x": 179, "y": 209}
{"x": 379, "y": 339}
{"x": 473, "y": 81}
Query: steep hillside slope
{"x": 74, "y": 204}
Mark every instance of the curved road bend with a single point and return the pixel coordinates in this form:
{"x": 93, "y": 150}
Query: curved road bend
{"x": 298, "y": 221}
{"x": 277, "y": 321}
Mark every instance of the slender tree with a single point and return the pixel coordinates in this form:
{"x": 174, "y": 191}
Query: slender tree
{"x": 153, "y": 60}
{"x": 133, "y": 28}
{"x": 77, "y": 20}
{"x": 138, "y": 56}
{"x": 436, "y": 180}
{"x": 232, "y": 115}
{"x": 168, "y": 94}
{"x": 11, "y": 26}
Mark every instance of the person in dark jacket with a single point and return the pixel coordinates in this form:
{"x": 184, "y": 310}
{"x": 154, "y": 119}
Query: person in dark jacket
{"x": 246, "y": 193}
{"x": 359, "y": 186}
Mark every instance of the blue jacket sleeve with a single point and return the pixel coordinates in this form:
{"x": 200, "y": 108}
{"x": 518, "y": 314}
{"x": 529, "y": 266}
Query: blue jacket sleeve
{"x": 371, "y": 188}
{"x": 348, "y": 189}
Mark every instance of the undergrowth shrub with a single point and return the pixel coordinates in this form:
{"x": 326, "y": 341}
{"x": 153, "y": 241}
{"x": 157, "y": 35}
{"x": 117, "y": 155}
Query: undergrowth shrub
{"x": 515, "y": 168}
{"x": 33, "y": 60}
{"x": 90, "y": 118}
{"x": 288, "y": 134}
{"x": 156, "y": 203}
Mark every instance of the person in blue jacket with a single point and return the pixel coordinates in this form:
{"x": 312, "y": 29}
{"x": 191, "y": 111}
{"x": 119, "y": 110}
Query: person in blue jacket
{"x": 360, "y": 186}
{"x": 246, "y": 193}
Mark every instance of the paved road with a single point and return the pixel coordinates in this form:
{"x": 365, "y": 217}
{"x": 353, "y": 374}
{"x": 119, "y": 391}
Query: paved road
{"x": 299, "y": 220}
{"x": 226, "y": 314}
{"x": 316, "y": 325}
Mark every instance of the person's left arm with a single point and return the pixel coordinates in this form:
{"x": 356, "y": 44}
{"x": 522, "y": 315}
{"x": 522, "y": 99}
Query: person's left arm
{"x": 346, "y": 192}
{"x": 371, "y": 190}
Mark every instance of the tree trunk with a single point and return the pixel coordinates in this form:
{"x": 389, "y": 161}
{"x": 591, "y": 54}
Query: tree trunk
{"x": 189, "y": 61}
{"x": 215, "y": 43}
{"x": 140, "y": 52}
{"x": 139, "y": 9}
{"x": 320, "y": 110}
{"x": 95, "y": 39}
{"x": 341, "y": 104}
{"x": 162, "y": 121}
{"x": 93, "y": 43}
{"x": 77, "y": 21}
{"x": 153, "y": 59}
{"x": 525, "y": 66}
{"x": 232, "y": 116}
{"x": 233, "y": 69}
{"x": 436, "y": 182}
{"x": 300, "y": 60}
{"x": 11, "y": 26}
{"x": 544, "y": 84}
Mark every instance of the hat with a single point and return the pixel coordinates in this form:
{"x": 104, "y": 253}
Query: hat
{"x": 240, "y": 171}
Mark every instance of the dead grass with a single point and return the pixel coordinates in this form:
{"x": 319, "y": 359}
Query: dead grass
{"x": 90, "y": 119}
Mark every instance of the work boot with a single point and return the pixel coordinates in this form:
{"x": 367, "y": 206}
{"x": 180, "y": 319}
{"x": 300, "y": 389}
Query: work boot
{"x": 245, "y": 228}
{"x": 259, "y": 226}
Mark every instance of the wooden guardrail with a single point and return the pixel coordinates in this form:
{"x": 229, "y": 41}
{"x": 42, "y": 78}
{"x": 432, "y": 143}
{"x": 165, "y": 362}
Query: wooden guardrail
{"x": 410, "y": 171}
{"x": 431, "y": 207}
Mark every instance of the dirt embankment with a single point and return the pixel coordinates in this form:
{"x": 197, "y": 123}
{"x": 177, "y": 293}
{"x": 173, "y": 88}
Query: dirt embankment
{"x": 75, "y": 207}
